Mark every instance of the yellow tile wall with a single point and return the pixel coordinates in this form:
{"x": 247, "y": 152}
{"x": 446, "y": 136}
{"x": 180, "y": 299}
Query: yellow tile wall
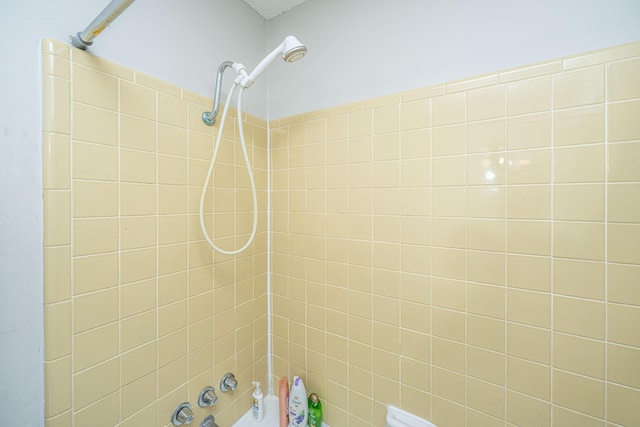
{"x": 468, "y": 252}
{"x": 140, "y": 313}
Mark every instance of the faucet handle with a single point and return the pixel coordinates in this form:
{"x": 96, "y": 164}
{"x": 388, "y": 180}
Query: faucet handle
{"x": 207, "y": 397}
{"x": 182, "y": 414}
{"x": 228, "y": 382}
{"x": 210, "y": 421}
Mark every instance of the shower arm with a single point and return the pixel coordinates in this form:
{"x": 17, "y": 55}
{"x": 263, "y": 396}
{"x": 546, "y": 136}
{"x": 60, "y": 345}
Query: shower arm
{"x": 209, "y": 117}
{"x": 84, "y": 39}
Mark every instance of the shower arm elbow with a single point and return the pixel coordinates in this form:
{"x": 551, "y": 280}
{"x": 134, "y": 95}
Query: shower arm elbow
{"x": 209, "y": 117}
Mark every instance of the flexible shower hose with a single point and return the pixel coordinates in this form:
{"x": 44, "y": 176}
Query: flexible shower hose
{"x": 212, "y": 166}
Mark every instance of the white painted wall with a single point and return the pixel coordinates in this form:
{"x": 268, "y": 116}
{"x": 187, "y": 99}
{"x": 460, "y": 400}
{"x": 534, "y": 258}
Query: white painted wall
{"x": 359, "y": 49}
{"x": 182, "y": 42}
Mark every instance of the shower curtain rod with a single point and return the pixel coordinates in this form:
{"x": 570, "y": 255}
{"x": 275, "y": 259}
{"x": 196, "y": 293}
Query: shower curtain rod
{"x": 85, "y": 38}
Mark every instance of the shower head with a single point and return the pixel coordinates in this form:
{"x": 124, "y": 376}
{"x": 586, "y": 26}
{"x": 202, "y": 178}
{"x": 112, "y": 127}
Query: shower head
{"x": 291, "y": 50}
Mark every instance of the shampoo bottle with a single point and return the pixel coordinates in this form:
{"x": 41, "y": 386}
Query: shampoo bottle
{"x": 315, "y": 411}
{"x": 298, "y": 405}
{"x": 258, "y": 403}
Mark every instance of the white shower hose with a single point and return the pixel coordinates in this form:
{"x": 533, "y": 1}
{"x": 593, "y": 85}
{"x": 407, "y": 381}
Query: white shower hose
{"x": 211, "y": 168}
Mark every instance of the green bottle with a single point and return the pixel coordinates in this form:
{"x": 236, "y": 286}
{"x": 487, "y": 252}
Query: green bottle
{"x": 315, "y": 411}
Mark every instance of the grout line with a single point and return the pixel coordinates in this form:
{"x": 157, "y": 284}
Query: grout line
{"x": 505, "y": 201}
{"x": 430, "y": 216}
{"x": 119, "y": 219}
{"x": 606, "y": 240}
{"x": 466, "y": 252}
{"x": 157, "y": 235}
{"x": 326, "y": 272}
{"x": 372, "y": 318}
{"x": 551, "y": 251}
{"x": 269, "y": 266}
{"x": 71, "y": 257}
{"x": 400, "y": 230}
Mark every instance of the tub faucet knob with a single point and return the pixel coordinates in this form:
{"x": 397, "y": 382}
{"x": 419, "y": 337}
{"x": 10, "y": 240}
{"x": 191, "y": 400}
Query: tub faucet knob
{"x": 210, "y": 421}
{"x": 207, "y": 397}
{"x": 228, "y": 382}
{"x": 182, "y": 414}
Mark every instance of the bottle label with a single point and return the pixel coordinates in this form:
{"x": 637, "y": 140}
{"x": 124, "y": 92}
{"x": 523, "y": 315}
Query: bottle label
{"x": 297, "y": 418}
{"x": 255, "y": 409}
{"x": 313, "y": 421}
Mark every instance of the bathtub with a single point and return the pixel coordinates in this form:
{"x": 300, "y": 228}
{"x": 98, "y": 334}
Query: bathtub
{"x": 271, "y": 415}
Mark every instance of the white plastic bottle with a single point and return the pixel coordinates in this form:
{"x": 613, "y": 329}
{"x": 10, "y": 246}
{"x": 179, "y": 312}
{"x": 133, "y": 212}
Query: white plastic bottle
{"x": 258, "y": 402}
{"x": 298, "y": 404}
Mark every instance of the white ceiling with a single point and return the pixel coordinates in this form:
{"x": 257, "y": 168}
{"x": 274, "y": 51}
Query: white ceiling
{"x": 270, "y": 8}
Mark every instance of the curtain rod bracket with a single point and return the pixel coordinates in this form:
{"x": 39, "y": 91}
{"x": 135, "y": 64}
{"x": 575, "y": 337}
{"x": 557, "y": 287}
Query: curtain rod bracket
{"x": 84, "y": 38}
{"x": 77, "y": 41}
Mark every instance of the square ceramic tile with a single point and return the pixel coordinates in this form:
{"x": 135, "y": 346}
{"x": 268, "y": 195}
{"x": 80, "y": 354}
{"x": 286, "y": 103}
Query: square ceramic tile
{"x": 94, "y": 162}
{"x": 579, "y": 355}
{"x": 95, "y": 383}
{"x": 57, "y": 274}
{"x": 94, "y": 88}
{"x": 623, "y": 80}
{"x": 448, "y": 109}
{"x": 529, "y": 96}
{"x": 622, "y": 157}
{"x": 95, "y": 272}
{"x": 583, "y": 279}
{"x": 620, "y": 404}
{"x": 485, "y": 267}
{"x": 530, "y": 131}
{"x": 579, "y": 393}
{"x": 527, "y": 410}
{"x": 580, "y": 164}
{"x": 486, "y": 103}
{"x": 622, "y": 126}
{"x": 95, "y": 346}
{"x": 579, "y": 317}
{"x": 529, "y": 378}
{"x": 96, "y": 309}
{"x": 580, "y": 87}
{"x": 528, "y": 272}
{"x": 386, "y": 119}
{"x": 622, "y": 284}
{"x": 57, "y": 386}
{"x": 56, "y": 162}
{"x": 579, "y": 202}
{"x": 57, "y": 217}
{"x": 623, "y": 203}
{"x": 584, "y": 125}
{"x": 415, "y": 114}
{"x": 137, "y": 100}
{"x": 172, "y": 111}
{"x": 528, "y": 343}
{"x": 57, "y": 332}
{"x": 486, "y": 136}
{"x": 529, "y": 308}
{"x": 486, "y": 333}
{"x": 448, "y": 140}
